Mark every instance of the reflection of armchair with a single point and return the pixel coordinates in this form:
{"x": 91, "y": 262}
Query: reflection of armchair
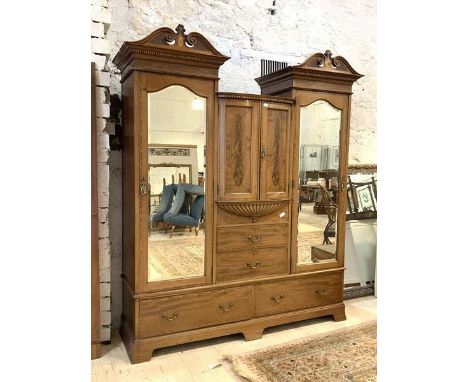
{"x": 178, "y": 214}
{"x": 330, "y": 207}
{"x": 191, "y": 220}
{"x": 165, "y": 203}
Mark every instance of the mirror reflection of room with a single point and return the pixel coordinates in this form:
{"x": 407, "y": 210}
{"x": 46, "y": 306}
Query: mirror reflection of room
{"x": 318, "y": 182}
{"x": 176, "y": 177}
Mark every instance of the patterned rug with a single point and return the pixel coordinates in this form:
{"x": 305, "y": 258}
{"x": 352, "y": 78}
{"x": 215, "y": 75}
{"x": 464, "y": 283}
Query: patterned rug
{"x": 176, "y": 258}
{"x": 347, "y": 354}
{"x": 305, "y": 241}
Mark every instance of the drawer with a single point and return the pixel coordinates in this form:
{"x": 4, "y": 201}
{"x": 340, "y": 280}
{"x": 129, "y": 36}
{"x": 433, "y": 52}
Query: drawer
{"x": 280, "y": 216}
{"x": 302, "y": 293}
{"x": 196, "y": 310}
{"x": 252, "y": 263}
{"x": 238, "y": 238}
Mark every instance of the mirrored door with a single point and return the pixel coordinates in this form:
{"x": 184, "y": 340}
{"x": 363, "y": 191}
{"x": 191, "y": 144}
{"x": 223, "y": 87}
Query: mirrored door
{"x": 317, "y": 193}
{"x": 176, "y": 176}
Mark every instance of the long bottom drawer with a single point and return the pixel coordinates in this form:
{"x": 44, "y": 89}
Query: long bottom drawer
{"x": 195, "y": 310}
{"x": 307, "y": 292}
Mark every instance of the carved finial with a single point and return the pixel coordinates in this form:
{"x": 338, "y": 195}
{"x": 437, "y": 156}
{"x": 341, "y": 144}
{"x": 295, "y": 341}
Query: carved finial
{"x": 180, "y": 29}
{"x": 327, "y": 60}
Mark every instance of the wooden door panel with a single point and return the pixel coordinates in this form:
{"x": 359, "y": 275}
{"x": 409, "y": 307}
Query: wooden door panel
{"x": 238, "y": 150}
{"x": 274, "y": 181}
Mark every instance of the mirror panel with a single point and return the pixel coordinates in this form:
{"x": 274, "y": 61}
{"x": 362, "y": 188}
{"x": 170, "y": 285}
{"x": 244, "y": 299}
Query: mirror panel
{"x": 319, "y": 150}
{"x": 176, "y": 178}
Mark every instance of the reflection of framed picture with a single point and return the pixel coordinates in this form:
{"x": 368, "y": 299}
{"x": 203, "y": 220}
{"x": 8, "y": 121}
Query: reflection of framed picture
{"x": 366, "y": 201}
{"x": 335, "y": 156}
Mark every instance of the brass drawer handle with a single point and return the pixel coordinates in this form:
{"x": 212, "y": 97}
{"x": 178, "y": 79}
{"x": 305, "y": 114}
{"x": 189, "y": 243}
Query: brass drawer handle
{"x": 253, "y": 266}
{"x": 320, "y": 292}
{"x": 171, "y": 317}
{"x": 277, "y": 299}
{"x": 226, "y": 307}
{"x": 256, "y": 238}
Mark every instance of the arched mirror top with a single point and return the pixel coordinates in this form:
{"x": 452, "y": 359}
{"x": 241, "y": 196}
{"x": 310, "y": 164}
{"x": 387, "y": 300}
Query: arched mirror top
{"x": 321, "y": 101}
{"x": 320, "y": 124}
{"x": 176, "y": 87}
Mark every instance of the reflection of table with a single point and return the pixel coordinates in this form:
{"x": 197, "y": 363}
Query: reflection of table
{"x": 323, "y": 252}
{"x": 320, "y": 208}
{"x": 308, "y": 192}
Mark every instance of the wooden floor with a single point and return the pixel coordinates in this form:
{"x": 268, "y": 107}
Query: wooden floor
{"x": 189, "y": 362}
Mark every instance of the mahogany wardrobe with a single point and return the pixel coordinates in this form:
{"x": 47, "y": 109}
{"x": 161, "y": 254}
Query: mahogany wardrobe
{"x": 233, "y": 205}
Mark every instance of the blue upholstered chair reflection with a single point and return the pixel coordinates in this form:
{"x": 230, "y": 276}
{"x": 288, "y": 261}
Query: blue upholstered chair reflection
{"x": 165, "y": 203}
{"x": 178, "y": 216}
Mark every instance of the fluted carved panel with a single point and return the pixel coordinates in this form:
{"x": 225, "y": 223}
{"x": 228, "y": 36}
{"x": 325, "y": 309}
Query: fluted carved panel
{"x": 252, "y": 209}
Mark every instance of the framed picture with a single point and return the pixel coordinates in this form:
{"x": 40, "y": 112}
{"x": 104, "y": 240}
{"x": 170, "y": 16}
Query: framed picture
{"x": 365, "y": 199}
{"x": 335, "y": 156}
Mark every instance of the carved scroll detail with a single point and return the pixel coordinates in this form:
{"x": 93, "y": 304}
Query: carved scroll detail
{"x": 180, "y": 39}
{"x": 238, "y": 161}
{"x": 326, "y": 62}
{"x": 276, "y": 158}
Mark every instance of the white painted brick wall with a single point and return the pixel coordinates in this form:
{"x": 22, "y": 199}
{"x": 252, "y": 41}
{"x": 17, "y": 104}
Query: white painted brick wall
{"x": 100, "y": 14}
{"x": 100, "y": 51}
{"x": 102, "y": 78}
{"x": 97, "y": 29}
{"x": 102, "y": 3}
{"x": 247, "y": 32}
{"x": 100, "y": 61}
{"x": 100, "y": 46}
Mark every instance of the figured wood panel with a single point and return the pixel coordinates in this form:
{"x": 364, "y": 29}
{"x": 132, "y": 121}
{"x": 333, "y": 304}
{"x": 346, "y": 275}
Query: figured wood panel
{"x": 250, "y": 264}
{"x": 238, "y": 150}
{"x": 238, "y": 238}
{"x": 274, "y": 183}
{"x": 307, "y": 292}
{"x": 197, "y": 310}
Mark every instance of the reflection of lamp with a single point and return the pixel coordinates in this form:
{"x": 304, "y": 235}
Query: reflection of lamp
{"x": 197, "y": 104}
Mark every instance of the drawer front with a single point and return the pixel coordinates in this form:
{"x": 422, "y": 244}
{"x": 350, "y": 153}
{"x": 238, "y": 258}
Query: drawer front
{"x": 196, "y": 310}
{"x": 302, "y": 293}
{"x": 251, "y": 264}
{"x": 280, "y": 216}
{"x": 232, "y": 239}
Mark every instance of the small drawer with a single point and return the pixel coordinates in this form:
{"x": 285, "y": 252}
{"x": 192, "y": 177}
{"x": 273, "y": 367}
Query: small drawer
{"x": 280, "y": 216}
{"x": 239, "y": 238}
{"x": 302, "y": 293}
{"x": 196, "y": 310}
{"x": 252, "y": 263}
